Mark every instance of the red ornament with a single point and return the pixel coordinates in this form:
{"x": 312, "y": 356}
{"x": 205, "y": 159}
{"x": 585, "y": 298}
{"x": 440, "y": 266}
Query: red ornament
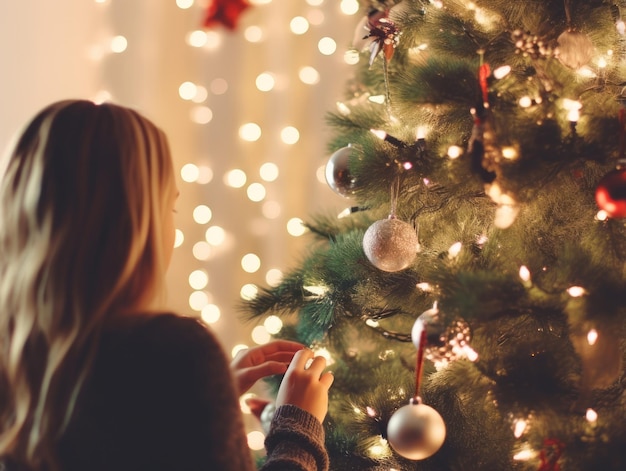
{"x": 611, "y": 193}
{"x": 224, "y": 12}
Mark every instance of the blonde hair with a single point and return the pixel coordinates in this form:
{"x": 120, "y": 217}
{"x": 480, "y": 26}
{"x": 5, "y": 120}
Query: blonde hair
{"x": 82, "y": 202}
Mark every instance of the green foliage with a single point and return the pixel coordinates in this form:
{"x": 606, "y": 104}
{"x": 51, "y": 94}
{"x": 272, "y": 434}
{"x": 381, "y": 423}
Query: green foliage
{"x": 527, "y": 333}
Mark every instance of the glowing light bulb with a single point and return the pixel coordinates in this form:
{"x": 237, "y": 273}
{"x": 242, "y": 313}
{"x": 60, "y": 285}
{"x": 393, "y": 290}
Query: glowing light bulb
{"x": 591, "y": 415}
{"x": 454, "y": 152}
{"x": 295, "y": 227}
{"x": 576, "y": 291}
{"x": 592, "y": 336}
{"x": 250, "y": 132}
{"x": 454, "y": 250}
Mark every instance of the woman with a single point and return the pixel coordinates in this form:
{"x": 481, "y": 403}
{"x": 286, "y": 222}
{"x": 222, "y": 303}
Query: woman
{"x": 93, "y": 375}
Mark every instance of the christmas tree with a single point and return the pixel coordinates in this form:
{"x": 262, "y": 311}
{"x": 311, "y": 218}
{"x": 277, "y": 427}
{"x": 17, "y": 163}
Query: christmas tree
{"x": 472, "y": 300}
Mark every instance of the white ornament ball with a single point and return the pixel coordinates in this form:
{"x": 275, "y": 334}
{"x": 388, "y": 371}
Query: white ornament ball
{"x": 416, "y": 431}
{"x": 337, "y": 172}
{"x": 390, "y": 244}
{"x": 266, "y": 416}
{"x": 575, "y": 49}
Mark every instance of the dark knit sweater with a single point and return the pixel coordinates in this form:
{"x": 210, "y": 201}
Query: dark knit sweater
{"x": 161, "y": 397}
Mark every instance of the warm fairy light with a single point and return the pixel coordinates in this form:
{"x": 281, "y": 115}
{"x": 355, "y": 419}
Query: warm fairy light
{"x": 238, "y": 348}
{"x": 620, "y": 26}
{"x": 379, "y": 133}
{"x": 250, "y": 263}
{"x": 502, "y": 71}
{"x": 197, "y": 38}
{"x": 591, "y": 415}
{"x": 198, "y": 279}
{"x": 573, "y": 116}
{"x": 248, "y": 292}
{"x": 344, "y": 213}
{"x": 317, "y": 290}
{"x": 509, "y": 152}
{"x": 274, "y": 276}
{"x": 215, "y": 235}
{"x": 602, "y": 215}
{"x": 201, "y": 94}
{"x": 290, "y": 135}
{"x": 119, "y": 44}
{"x": 201, "y": 250}
{"x": 271, "y": 209}
{"x": 213, "y": 40}
{"x": 524, "y": 273}
{"x": 342, "y": 108}
{"x": 380, "y": 449}
{"x": 235, "y": 178}
{"x": 269, "y": 171}
{"x": 184, "y": 4}
{"x": 198, "y": 299}
{"x": 525, "y": 102}
{"x": 295, "y": 227}
{"x": 260, "y": 335}
{"x": 426, "y": 287}
{"x": 256, "y": 192}
{"x": 299, "y": 25}
{"x": 327, "y": 46}
{"x": 253, "y": 34}
{"x": 576, "y": 291}
{"x": 265, "y": 82}
{"x": 592, "y": 336}
{"x": 205, "y": 175}
{"x": 519, "y": 427}
{"x": 421, "y": 132}
{"x": 351, "y": 57}
{"x": 250, "y": 132}
{"x": 524, "y": 454}
{"x": 210, "y": 314}
{"x": 273, "y": 324}
{"x": 454, "y": 250}
{"x": 218, "y": 86}
{"x": 482, "y": 240}
{"x": 380, "y": 99}
{"x": 256, "y": 440}
{"x": 187, "y": 90}
{"x": 371, "y": 323}
{"x": 569, "y": 104}
{"x": 349, "y": 7}
{"x": 309, "y": 75}
{"x": 179, "y": 238}
{"x": 573, "y": 108}
{"x": 602, "y": 62}
{"x": 201, "y": 114}
{"x": 454, "y": 152}
{"x": 102, "y": 96}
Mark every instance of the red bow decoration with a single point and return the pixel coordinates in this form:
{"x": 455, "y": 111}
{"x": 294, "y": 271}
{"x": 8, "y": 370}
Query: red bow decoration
{"x": 550, "y": 455}
{"x": 224, "y": 12}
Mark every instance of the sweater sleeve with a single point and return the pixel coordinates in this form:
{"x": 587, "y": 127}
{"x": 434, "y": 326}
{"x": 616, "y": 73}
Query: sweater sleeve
{"x": 295, "y": 442}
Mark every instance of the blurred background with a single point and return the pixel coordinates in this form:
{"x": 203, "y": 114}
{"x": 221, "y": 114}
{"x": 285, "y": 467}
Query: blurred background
{"x": 244, "y": 110}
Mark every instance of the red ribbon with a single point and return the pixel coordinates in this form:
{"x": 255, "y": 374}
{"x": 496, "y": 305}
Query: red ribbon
{"x": 484, "y": 71}
{"x": 621, "y": 116}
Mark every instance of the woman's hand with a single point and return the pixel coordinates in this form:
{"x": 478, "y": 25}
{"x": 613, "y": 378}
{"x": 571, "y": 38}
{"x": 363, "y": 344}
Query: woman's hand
{"x": 254, "y": 363}
{"x": 306, "y": 387}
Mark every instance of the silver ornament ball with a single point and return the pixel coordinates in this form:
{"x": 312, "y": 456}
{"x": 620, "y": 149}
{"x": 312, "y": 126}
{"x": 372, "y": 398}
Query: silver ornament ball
{"x": 337, "y": 172}
{"x": 444, "y": 342}
{"x": 416, "y": 431}
{"x": 390, "y": 244}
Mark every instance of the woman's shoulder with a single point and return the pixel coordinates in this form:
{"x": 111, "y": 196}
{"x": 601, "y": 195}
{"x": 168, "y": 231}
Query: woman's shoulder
{"x": 158, "y": 335}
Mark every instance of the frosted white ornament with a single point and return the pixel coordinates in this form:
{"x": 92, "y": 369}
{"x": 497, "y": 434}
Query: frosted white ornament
{"x": 575, "y": 49}
{"x": 416, "y": 431}
{"x": 390, "y": 244}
